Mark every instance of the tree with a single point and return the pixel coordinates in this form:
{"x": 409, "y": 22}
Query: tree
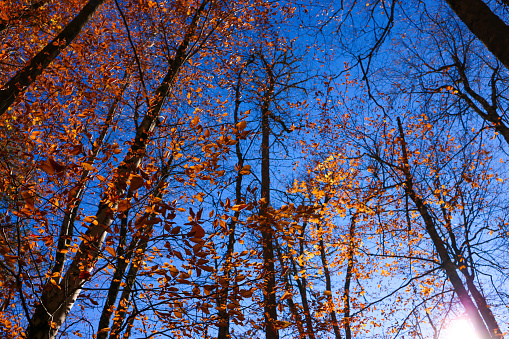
{"x": 66, "y": 280}
{"x": 206, "y": 168}
{"x": 24, "y": 78}
{"x": 485, "y": 24}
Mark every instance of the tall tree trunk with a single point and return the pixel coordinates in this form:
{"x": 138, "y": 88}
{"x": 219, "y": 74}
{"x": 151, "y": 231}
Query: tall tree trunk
{"x": 57, "y": 302}
{"x": 288, "y": 287}
{"x": 348, "y": 278}
{"x": 479, "y": 299}
{"x": 328, "y": 287}
{"x": 269, "y": 293}
{"x": 124, "y": 256}
{"x": 224, "y": 317}
{"x": 28, "y": 74}
{"x": 123, "y": 259}
{"x": 139, "y": 247}
{"x": 484, "y": 331}
{"x": 123, "y": 303}
{"x": 302, "y": 286}
{"x": 486, "y": 25}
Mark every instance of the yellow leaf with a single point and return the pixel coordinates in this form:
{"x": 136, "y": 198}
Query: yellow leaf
{"x": 89, "y": 219}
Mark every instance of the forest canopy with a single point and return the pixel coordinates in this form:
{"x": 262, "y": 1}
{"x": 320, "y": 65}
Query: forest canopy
{"x": 254, "y": 169}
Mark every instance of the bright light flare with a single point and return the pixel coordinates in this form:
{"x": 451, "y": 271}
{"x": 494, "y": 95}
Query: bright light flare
{"x": 460, "y": 329}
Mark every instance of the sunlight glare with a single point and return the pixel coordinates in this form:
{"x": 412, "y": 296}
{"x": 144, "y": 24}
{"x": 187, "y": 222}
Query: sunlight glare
{"x": 460, "y": 329}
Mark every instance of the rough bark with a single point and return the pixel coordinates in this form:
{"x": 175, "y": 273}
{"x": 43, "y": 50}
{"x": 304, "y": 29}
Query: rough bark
{"x": 486, "y": 25}
{"x": 269, "y": 293}
{"x": 56, "y": 303}
{"x": 28, "y": 74}
{"x": 447, "y": 264}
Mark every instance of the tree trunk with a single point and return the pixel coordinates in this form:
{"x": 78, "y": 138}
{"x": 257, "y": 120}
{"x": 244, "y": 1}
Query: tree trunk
{"x": 269, "y": 293}
{"x": 124, "y": 256}
{"x": 447, "y": 264}
{"x": 288, "y": 287}
{"x": 224, "y": 317}
{"x": 57, "y": 302}
{"x": 348, "y": 278}
{"x": 482, "y": 306}
{"x": 302, "y": 285}
{"x": 123, "y": 259}
{"x": 139, "y": 248}
{"x": 328, "y": 287}
{"x": 486, "y": 25}
{"x": 28, "y": 74}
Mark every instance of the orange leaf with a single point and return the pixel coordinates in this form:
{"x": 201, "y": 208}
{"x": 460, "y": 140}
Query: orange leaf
{"x": 136, "y": 182}
{"x": 241, "y": 125}
{"x": 29, "y": 198}
{"x": 197, "y": 231}
{"x": 245, "y": 170}
{"x": 87, "y": 166}
{"x": 89, "y": 219}
{"x": 111, "y": 251}
{"x": 35, "y": 134}
{"x": 239, "y": 207}
{"x": 123, "y": 206}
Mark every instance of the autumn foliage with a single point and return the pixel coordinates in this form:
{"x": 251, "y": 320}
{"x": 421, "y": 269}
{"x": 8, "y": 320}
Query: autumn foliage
{"x": 249, "y": 169}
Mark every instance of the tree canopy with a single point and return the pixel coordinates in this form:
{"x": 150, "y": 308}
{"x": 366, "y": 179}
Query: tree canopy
{"x": 253, "y": 169}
